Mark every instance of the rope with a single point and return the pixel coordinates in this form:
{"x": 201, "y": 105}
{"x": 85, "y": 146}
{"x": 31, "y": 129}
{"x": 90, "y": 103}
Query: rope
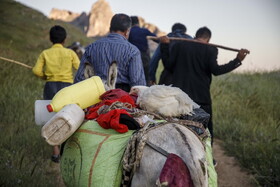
{"x": 157, "y": 148}
{"x": 16, "y": 62}
{"x": 133, "y": 153}
{"x": 196, "y": 127}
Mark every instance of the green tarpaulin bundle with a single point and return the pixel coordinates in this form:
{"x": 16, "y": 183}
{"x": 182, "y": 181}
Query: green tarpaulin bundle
{"x": 92, "y": 156}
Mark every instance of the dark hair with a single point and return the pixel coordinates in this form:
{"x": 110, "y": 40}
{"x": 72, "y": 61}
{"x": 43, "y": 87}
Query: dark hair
{"x": 120, "y": 22}
{"x": 57, "y": 34}
{"x": 179, "y": 26}
{"x": 203, "y": 32}
{"x": 134, "y": 20}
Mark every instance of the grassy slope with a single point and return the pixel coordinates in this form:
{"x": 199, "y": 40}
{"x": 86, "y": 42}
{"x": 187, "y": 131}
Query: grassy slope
{"x": 23, "y": 35}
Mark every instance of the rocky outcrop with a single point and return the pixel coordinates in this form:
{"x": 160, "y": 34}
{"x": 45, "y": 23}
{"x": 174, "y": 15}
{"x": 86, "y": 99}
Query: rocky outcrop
{"x": 96, "y": 23}
{"x": 63, "y": 15}
{"x": 80, "y": 20}
{"x": 99, "y": 18}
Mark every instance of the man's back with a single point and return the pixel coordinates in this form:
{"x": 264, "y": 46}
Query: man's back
{"x": 114, "y": 47}
{"x": 178, "y": 31}
{"x": 138, "y": 38}
{"x": 190, "y": 64}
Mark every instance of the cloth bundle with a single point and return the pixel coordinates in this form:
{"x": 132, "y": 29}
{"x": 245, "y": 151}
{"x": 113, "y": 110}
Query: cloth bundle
{"x": 117, "y": 119}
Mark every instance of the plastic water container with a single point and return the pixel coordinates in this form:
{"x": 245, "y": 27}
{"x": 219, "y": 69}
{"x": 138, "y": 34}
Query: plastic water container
{"x": 42, "y": 115}
{"x": 63, "y": 124}
{"x": 84, "y": 94}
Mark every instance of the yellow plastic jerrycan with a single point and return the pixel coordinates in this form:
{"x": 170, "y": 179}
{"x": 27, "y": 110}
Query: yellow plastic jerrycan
{"x": 84, "y": 94}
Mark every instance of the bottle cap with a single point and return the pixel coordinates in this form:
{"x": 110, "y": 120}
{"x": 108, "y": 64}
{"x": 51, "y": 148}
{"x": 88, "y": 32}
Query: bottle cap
{"x": 49, "y": 107}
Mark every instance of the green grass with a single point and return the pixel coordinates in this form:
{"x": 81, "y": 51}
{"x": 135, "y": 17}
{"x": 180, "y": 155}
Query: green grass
{"x": 24, "y": 154}
{"x": 246, "y": 113}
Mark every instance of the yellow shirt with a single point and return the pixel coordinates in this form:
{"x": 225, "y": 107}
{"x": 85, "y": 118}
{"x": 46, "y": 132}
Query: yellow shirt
{"x": 56, "y": 64}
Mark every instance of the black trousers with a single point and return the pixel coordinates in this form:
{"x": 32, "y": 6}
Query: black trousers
{"x": 208, "y": 109}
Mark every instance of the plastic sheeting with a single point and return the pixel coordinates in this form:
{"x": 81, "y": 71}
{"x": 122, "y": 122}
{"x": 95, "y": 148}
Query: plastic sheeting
{"x": 92, "y": 156}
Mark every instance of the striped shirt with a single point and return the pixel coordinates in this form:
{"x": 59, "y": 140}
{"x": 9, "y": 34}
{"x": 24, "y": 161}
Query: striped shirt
{"x": 114, "y": 47}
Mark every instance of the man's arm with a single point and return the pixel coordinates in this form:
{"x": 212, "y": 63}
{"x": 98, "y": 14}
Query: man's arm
{"x": 38, "y": 68}
{"x": 80, "y": 72}
{"x": 225, "y": 68}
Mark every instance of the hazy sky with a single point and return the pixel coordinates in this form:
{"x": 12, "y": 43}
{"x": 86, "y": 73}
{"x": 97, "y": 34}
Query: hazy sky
{"x": 251, "y": 24}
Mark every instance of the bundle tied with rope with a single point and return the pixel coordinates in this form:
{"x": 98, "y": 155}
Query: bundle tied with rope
{"x": 134, "y": 150}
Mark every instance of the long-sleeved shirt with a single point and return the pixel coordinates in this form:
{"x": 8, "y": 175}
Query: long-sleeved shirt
{"x": 192, "y": 65}
{"x": 157, "y": 54}
{"x": 114, "y": 47}
{"x": 56, "y": 64}
{"x": 138, "y": 37}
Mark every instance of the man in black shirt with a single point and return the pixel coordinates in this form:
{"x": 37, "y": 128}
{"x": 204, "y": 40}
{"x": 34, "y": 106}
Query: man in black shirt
{"x": 192, "y": 65}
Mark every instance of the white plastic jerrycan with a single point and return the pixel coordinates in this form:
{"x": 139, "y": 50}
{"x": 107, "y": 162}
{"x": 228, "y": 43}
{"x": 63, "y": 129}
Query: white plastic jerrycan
{"x": 42, "y": 115}
{"x": 63, "y": 124}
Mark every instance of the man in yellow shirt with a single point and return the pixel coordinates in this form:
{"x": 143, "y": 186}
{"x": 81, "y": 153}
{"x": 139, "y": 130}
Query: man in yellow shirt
{"x": 55, "y": 65}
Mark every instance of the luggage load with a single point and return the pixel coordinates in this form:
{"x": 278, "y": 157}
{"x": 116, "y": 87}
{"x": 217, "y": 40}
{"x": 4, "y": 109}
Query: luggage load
{"x": 42, "y": 115}
{"x": 63, "y": 124}
{"x": 84, "y": 94}
{"x": 92, "y": 156}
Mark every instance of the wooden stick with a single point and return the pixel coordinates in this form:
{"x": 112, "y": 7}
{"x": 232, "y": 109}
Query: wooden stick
{"x": 191, "y": 40}
{"x": 16, "y": 62}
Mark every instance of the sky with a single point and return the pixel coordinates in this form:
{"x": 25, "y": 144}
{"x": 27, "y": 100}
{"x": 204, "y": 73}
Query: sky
{"x": 250, "y": 24}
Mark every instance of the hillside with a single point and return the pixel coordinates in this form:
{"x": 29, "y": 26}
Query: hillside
{"x": 23, "y": 35}
{"x": 24, "y": 29}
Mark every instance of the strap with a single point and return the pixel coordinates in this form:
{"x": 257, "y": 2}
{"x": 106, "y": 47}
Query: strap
{"x": 157, "y": 148}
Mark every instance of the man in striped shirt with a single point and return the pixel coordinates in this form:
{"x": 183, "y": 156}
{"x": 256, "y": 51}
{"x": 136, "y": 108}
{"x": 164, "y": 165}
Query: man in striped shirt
{"x": 115, "y": 47}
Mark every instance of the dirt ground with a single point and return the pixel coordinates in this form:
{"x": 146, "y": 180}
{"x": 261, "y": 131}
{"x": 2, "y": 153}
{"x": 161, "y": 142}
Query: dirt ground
{"x": 229, "y": 172}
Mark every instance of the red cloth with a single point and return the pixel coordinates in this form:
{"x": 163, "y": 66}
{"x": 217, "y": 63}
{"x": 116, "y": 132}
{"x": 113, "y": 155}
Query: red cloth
{"x": 111, "y": 120}
{"x": 113, "y": 94}
{"x": 175, "y": 172}
{"x": 92, "y": 112}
